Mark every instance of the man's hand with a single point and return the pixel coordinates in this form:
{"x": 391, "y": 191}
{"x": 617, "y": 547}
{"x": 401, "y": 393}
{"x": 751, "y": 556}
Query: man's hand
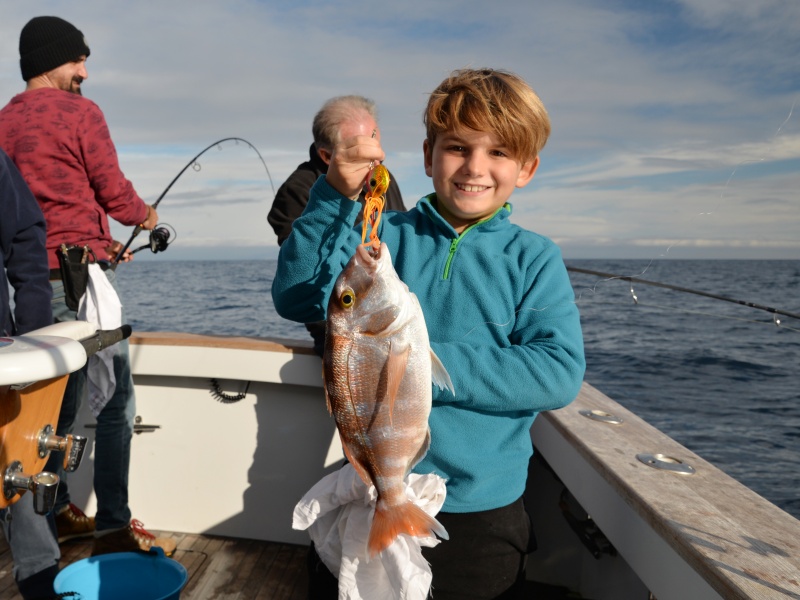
{"x": 114, "y": 249}
{"x": 350, "y": 163}
{"x": 151, "y": 220}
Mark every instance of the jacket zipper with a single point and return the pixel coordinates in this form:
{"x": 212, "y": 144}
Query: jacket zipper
{"x": 453, "y": 247}
{"x": 454, "y": 244}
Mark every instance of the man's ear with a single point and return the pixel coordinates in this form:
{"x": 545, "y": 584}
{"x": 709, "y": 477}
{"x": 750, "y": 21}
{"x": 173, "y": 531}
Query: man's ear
{"x": 527, "y": 172}
{"x": 325, "y": 155}
{"x": 427, "y": 152}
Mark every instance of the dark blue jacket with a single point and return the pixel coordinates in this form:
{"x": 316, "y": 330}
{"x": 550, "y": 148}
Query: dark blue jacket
{"x": 23, "y": 257}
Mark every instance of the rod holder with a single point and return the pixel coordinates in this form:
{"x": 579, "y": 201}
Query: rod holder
{"x": 73, "y": 447}
{"x": 43, "y": 486}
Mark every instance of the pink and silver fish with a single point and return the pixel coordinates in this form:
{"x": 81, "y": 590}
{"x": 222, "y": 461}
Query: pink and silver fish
{"x": 378, "y": 366}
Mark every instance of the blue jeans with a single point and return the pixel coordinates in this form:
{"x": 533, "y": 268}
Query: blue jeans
{"x": 112, "y": 444}
{"x": 30, "y": 538}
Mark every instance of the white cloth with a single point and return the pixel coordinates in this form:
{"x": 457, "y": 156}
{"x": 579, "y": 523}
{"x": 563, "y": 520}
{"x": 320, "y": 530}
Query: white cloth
{"x": 338, "y": 511}
{"x": 100, "y": 305}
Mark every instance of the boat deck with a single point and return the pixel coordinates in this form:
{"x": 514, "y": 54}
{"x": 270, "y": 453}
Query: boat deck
{"x": 230, "y": 568}
{"x": 218, "y": 567}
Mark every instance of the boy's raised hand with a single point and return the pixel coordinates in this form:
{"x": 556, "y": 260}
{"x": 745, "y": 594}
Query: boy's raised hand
{"x": 350, "y": 164}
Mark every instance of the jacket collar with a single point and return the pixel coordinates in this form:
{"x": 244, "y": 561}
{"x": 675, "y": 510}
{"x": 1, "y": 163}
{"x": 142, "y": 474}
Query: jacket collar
{"x": 427, "y": 205}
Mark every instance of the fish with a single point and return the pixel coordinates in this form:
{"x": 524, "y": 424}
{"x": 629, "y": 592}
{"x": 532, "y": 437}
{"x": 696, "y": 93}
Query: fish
{"x": 377, "y": 370}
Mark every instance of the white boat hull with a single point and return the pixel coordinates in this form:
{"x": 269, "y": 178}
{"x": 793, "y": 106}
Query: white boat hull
{"x": 238, "y": 470}
{"x": 229, "y": 469}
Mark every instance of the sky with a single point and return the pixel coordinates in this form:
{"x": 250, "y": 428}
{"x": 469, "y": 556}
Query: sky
{"x": 676, "y": 123}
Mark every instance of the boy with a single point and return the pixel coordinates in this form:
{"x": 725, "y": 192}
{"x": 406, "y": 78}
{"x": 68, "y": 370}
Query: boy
{"x": 497, "y": 301}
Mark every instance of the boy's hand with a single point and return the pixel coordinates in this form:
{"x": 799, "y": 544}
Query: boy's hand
{"x": 350, "y": 164}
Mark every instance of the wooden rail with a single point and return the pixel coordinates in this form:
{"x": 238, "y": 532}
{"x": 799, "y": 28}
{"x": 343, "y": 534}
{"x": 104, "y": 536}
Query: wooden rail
{"x": 680, "y": 532}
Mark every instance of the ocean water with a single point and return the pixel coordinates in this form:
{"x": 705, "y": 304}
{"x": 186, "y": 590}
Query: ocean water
{"x": 721, "y": 378}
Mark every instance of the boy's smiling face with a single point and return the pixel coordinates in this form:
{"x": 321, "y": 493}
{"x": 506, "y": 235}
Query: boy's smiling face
{"x": 473, "y": 175}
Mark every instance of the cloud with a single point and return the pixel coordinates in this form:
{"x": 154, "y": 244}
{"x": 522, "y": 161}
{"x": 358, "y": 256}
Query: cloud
{"x": 661, "y": 110}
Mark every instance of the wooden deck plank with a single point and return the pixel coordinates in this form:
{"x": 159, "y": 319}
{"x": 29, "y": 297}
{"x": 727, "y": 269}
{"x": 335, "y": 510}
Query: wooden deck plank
{"x": 10, "y": 593}
{"x": 8, "y": 588}
{"x": 248, "y": 568}
{"x": 260, "y": 572}
{"x": 6, "y": 564}
{"x": 233, "y": 569}
{"x": 294, "y": 581}
{"x": 191, "y": 552}
{"x": 276, "y": 586}
{"x": 218, "y": 580}
{"x": 198, "y": 581}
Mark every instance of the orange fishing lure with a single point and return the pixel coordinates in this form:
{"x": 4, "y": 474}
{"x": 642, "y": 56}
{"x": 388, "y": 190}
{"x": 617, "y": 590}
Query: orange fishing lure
{"x": 375, "y": 200}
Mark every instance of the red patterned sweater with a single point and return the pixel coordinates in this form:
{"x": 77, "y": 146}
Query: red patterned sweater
{"x": 61, "y": 144}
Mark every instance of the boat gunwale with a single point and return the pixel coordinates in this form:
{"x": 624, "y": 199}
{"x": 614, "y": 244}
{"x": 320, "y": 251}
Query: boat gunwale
{"x": 176, "y": 338}
{"x": 735, "y": 539}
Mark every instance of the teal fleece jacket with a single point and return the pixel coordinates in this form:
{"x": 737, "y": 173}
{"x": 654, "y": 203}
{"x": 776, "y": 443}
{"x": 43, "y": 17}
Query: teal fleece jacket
{"x": 501, "y": 316}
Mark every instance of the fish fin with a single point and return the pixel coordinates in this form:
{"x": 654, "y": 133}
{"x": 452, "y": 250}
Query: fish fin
{"x": 362, "y": 472}
{"x": 440, "y": 375}
{"x": 423, "y": 450}
{"x": 396, "y": 364}
{"x": 391, "y": 521}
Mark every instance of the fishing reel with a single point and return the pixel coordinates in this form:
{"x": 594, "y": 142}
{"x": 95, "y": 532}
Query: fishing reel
{"x": 159, "y": 239}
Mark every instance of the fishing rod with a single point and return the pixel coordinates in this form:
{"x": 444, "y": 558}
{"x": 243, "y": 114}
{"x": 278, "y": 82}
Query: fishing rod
{"x": 769, "y": 309}
{"x": 160, "y": 242}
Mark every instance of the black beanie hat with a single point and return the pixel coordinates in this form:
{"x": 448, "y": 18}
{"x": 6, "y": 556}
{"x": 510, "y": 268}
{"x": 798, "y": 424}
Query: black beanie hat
{"x": 48, "y": 42}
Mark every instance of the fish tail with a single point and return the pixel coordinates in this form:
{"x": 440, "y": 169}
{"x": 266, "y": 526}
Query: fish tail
{"x": 391, "y": 521}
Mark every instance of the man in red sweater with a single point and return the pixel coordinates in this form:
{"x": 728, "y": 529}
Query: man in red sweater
{"x": 60, "y": 143}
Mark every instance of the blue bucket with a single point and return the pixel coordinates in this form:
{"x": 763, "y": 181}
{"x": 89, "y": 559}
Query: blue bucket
{"x": 123, "y": 576}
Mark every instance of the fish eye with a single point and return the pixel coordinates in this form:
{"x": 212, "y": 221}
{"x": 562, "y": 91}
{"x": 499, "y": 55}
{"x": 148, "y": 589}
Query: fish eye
{"x": 347, "y": 299}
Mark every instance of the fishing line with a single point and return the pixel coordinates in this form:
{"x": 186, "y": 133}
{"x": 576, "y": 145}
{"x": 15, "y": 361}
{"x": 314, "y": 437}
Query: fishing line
{"x": 776, "y": 312}
{"x": 673, "y": 309}
{"x": 737, "y": 166}
{"x": 196, "y": 166}
{"x": 746, "y": 162}
{"x": 632, "y": 280}
{"x": 637, "y": 278}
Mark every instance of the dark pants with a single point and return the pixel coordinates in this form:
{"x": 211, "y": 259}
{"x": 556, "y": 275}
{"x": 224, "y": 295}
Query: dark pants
{"x": 484, "y": 557}
{"x": 114, "y": 433}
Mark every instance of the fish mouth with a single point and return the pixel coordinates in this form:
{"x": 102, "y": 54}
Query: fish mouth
{"x": 370, "y": 258}
{"x": 367, "y": 254}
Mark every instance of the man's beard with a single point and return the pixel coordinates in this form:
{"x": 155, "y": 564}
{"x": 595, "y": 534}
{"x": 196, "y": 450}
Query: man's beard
{"x": 75, "y": 85}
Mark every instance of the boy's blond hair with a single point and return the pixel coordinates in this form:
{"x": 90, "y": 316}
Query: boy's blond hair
{"x": 489, "y": 100}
